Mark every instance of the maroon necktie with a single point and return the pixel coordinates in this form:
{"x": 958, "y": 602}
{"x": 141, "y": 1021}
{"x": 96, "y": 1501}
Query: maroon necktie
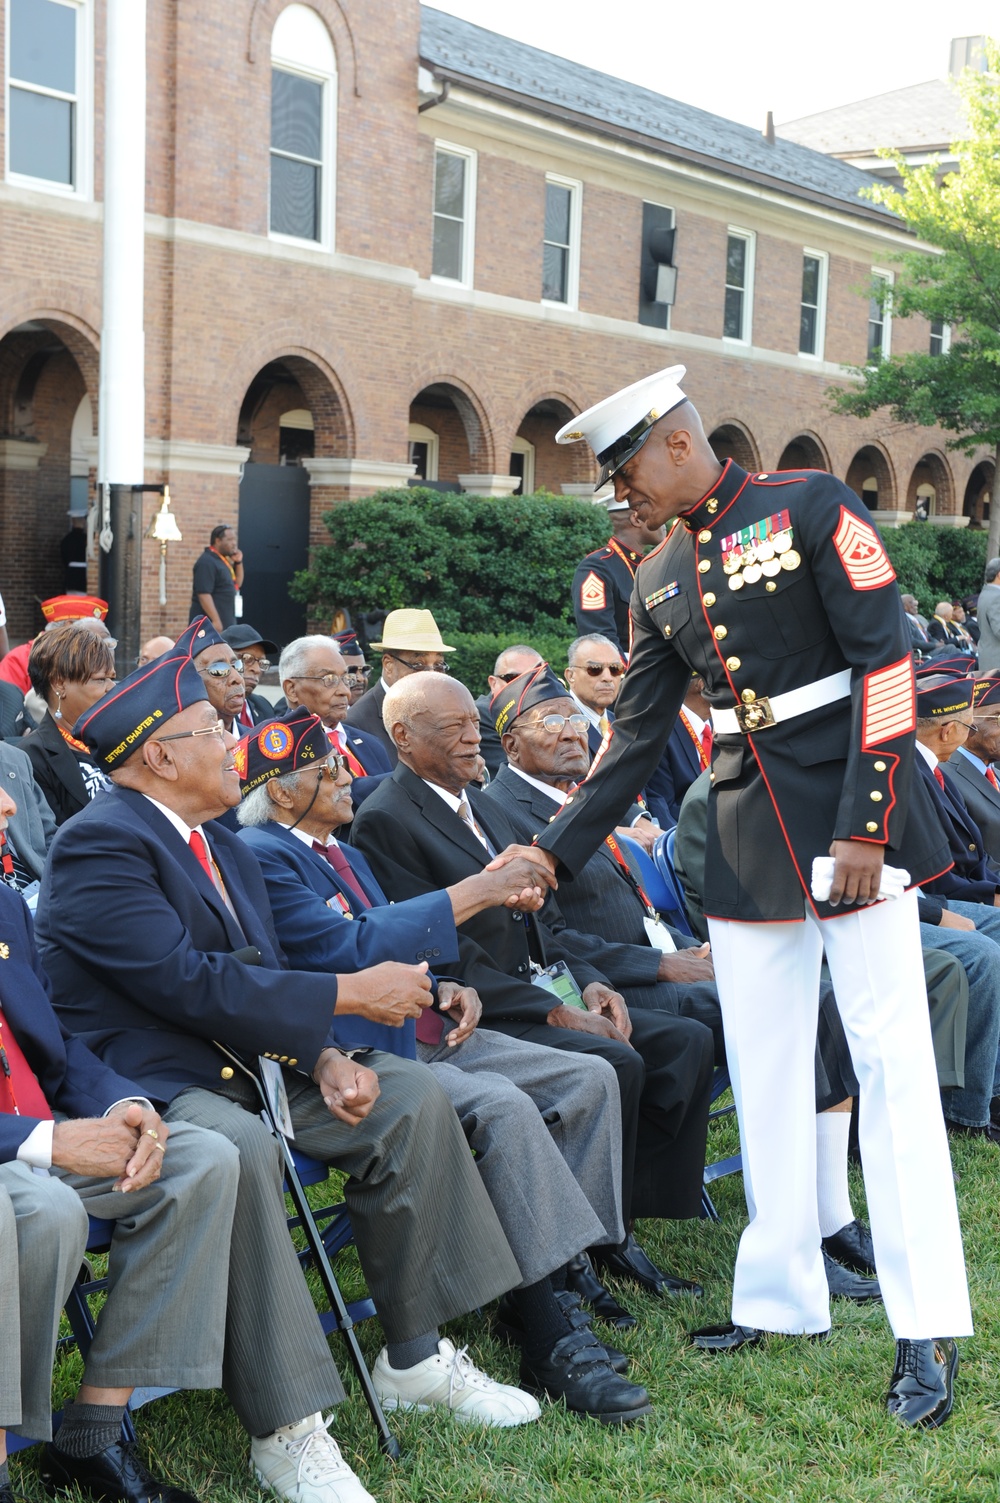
{"x": 939, "y": 776}
{"x": 342, "y": 867}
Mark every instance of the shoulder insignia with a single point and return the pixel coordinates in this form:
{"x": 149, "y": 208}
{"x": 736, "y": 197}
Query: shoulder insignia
{"x": 593, "y": 596}
{"x": 889, "y": 708}
{"x": 667, "y": 592}
{"x": 861, "y": 553}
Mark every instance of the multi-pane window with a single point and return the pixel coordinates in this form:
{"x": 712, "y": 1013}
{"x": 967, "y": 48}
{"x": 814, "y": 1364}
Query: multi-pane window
{"x": 879, "y": 316}
{"x": 296, "y": 154}
{"x": 739, "y": 286}
{"x": 43, "y": 115}
{"x": 940, "y": 341}
{"x": 560, "y": 248}
{"x": 812, "y": 306}
{"x": 454, "y": 197}
{"x": 303, "y": 127}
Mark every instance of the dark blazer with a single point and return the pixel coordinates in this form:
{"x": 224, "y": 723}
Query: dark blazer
{"x": 972, "y": 879}
{"x": 261, "y": 709}
{"x": 138, "y": 945}
{"x": 679, "y": 766}
{"x": 981, "y": 799}
{"x": 490, "y": 749}
{"x": 374, "y": 758}
{"x": 416, "y": 844}
{"x": 600, "y": 899}
{"x": 366, "y": 715}
{"x": 73, "y": 1080}
{"x": 31, "y": 829}
{"x": 57, "y": 771}
{"x": 316, "y": 934}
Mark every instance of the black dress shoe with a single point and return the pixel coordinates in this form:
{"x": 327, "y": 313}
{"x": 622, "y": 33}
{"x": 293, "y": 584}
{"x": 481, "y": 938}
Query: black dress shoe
{"x": 6, "y": 1494}
{"x": 995, "y": 1111}
{"x": 729, "y": 1338}
{"x": 508, "y": 1324}
{"x": 921, "y": 1391}
{"x": 583, "y": 1281}
{"x": 628, "y": 1261}
{"x": 989, "y": 1130}
{"x": 847, "y": 1285}
{"x": 852, "y": 1247}
{"x": 115, "y": 1474}
{"x": 577, "y": 1371}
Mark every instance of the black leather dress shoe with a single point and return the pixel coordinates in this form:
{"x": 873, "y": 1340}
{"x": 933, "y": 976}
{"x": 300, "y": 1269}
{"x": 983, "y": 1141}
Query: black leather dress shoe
{"x": 508, "y": 1324}
{"x": 989, "y": 1130}
{"x": 847, "y": 1285}
{"x": 577, "y": 1371}
{"x": 628, "y": 1261}
{"x": 921, "y": 1391}
{"x": 583, "y": 1281}
{"x": 852, "y": 1247}
{"x": 115, "y": 1474}
{"x": 6, "y": 1494}
{"x": 729, "y": 1338}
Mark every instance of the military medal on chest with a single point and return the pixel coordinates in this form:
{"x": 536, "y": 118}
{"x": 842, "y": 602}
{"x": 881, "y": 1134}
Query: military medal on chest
{"x": 759, "y": 551}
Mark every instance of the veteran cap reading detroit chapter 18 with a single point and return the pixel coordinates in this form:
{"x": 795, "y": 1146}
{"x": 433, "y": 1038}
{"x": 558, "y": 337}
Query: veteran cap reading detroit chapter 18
{"x": 618, "y": 427}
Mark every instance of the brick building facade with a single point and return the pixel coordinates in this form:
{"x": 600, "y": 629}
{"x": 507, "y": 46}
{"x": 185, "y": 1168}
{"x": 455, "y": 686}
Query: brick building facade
{"x": 352, "y": 212}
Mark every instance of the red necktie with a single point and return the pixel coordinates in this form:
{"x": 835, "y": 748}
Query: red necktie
{"x": 991, "y": 778}
{"x": 339, "y": 739}
{"x": 706, "y": 744}
{"x": 245, "y": 717}
{"x": 6, "y": 859}
{"x": 939, "y": 775}
{"x": 200, "y": 849}
{"x": 20, "y": 1092}
{"x": 342, "y": 867}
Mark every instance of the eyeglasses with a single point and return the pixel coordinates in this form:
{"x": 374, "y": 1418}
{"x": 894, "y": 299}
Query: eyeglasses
{"x": 222, "y": 669}
{"x": 332, "y": 766}
{"x": 356, "y": 673}
{"x": 417, "y": 667}
{"x": 261, "y": 664}
{"x": 556, "y": 722}
{"x": 328, "y": 680}
{"x": 508, "y": 678}
{"x": 102, "y": 678}
{"x": 970, "y": 725}
{"x": 218, "y": 729}
{"x": 594, "y": 670}
{"x": 987, "y": 720}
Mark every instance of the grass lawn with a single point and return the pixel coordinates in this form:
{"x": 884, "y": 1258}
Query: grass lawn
{"x": 793, "y": 1420}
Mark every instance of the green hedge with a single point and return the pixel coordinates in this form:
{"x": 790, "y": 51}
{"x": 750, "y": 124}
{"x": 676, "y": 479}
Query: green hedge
{"x": 478, "y": 651}
{"x": 936, "y": 563}
{"x": 496, "y": 567}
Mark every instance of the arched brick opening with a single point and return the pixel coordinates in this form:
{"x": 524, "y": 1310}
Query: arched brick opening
{"x": 978, "y": 490}
{"x": 551, "y": 465}
{"x": 459, "y": 442}
{"x": 804, "y": 452}
{"x": 732, "y": 440}
{"x": 870, "y": 477}
{"x": 931, "y": 491}
{"x": 293, "y": 384}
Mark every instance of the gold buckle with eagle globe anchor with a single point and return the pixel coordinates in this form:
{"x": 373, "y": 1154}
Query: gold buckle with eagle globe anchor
{"x": 755, "y": 717}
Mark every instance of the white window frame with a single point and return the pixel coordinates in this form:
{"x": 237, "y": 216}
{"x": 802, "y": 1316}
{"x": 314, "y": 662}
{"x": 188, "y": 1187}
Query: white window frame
{"x": 417, "y": 433}
{"x": 824, "y": 274}
{"x": 750, "y": 236}
{"x": 83, "y": 146}
{"x": 879, "y": 273}
{"x": 519, "y": 445}
{"x": 945, "y": 336}
{"x": 469, "y": 213}
{"x": 575, "y": 228}
{"x": 306, "y": 67}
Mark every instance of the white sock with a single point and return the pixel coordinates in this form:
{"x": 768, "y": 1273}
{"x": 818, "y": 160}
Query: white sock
{"x": 832, "y": 1194}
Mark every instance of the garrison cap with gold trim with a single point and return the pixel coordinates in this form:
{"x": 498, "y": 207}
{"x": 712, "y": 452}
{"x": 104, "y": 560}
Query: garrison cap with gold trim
{"x": 290, "y": 744}
{"x": 942, "y": 696}
{"x": 618, "y": 427}
{"x": 139, "y": 707}
{"x": 515, "y": 699}
{"x": 986, "y": 694}
{"x": 74, "y": 608}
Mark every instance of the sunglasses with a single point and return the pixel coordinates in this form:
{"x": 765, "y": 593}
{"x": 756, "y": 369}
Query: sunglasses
{"x": 261, "y": 664}
{"x": 508, "y": 678}
{"x": 218, "y": 729}
{"x": 222, "y": 669}
{"x": 594, "y": 670}
{"x": 332, "y": 766}
{"x": 417, "y": 667}
{"x": 354, "y": 674}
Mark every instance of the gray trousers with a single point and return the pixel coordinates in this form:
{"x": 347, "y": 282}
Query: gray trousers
{"x": 429, "y": 1241}
{"x": 161, "y": 1325}
{"x": 546, "y": 1128}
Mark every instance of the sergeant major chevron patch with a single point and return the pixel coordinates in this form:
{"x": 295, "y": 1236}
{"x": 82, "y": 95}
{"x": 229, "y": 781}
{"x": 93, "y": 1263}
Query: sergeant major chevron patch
{"x": 861, "y": 553}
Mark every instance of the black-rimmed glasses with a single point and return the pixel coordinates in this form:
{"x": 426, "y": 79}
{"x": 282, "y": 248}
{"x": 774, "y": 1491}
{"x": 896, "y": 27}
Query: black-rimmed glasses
{"x": 416, "y": 667}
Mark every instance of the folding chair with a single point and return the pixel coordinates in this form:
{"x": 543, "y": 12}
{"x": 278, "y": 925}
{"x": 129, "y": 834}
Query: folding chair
{"x": 663, "y": 860}
{"x": 722, "y": 1167}
{"x": 341, "y": 1317}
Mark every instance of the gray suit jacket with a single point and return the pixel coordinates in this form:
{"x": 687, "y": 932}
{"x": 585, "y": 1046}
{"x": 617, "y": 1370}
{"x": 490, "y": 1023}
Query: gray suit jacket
{"x": 988, "y": 616}
{"x": 31, "y": 829}
{"x": 980, "y": 798}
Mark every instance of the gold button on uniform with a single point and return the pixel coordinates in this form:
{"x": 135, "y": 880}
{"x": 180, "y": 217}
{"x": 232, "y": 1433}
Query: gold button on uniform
{"x": 875, "y": 796}
{"x": 704, "y": 566}
{"x": 668, "y": 631}
{"x": 226, "y": 1072}
{"x": 770, "y": 586}
{"x": 720, "y": 632}
{"x": 704, "y": 536}
{"x": 709, "y": 599}
{"x": 871, "y": 827}
{"x": 748, "y": 696}
{"x": 880, "y": 767}
{"x": 292, "y": 1063}
{"x": 712, "y": 506}
{"x": 733, "y": 663}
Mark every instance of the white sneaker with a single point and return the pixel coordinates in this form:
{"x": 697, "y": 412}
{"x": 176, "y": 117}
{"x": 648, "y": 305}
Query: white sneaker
{"x": 302, "y": 1462}
{"x": 451, "y": 1379}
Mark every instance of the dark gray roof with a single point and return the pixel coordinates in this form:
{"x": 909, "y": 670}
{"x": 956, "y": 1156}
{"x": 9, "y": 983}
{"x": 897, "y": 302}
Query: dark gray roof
{"x": 551, "y": 85}
{"x": 925, "y": 116}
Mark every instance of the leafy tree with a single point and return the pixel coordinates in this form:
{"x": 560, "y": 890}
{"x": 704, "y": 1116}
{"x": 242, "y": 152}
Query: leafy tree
{"x": 958, "y": 213}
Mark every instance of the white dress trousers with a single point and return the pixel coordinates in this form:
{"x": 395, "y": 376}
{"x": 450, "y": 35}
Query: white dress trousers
{"x": 768, "y": 980}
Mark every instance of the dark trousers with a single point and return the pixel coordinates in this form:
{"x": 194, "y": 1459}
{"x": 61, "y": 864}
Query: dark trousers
{"x": 665, "y": 1082}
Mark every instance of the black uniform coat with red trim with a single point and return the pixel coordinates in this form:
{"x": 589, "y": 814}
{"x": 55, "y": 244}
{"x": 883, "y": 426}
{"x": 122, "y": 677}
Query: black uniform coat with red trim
{"x": 783, "y": 793}
{"x": 602, "y": 589}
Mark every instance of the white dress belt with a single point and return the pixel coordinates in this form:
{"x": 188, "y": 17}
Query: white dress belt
{"x": 779, "y": 707}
